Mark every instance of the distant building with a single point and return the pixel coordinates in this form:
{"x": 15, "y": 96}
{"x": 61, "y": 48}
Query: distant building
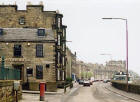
{"x": 116, "y": 65}
{"x": 107, "y": 71}
{"x": 34, "y": 41}
{"x": 84, "y": 70}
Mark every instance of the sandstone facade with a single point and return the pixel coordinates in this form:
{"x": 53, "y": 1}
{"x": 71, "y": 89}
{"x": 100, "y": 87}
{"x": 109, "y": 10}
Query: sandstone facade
{"x": 25, "y": 25}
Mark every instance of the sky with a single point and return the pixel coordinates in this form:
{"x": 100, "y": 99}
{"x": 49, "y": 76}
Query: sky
{"x": 92, "y": 36}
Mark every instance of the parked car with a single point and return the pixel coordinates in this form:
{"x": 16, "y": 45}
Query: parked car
{"x": 106, "y": 80}
{"x": 86, "y": 83}
{"x": 81, "y": 82}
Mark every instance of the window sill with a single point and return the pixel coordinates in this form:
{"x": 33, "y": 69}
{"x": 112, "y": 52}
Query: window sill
{"x": 39, "y": 79}
{"x": 39, "y": 56}
{"x": 17, "y": 56}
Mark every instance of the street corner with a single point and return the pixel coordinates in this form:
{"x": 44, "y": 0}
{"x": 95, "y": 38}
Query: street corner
{"x": 36, "y": 98}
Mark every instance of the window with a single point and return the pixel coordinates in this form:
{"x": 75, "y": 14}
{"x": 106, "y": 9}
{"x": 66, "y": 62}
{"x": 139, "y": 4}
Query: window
{"x": 63, "y": 61}
{"x": 39, "y": 50}
{"x": 39, "y": 72}
{"x": 1, "y": 31}
{"x": 41, "y": 32}
{"x": 58, "y": 58}
{"x": 59, "y": 39}
{"x": 63, "y": 75}
{"x": 30, "y": 72}
{"x": 58, "y": 74}
{"x": 17, "y": 50}
{"x": 64, "y": 32}
{"x": 59, "y": 22}
{"x": 63, "y": 47}
{"x": 47, "y": 65}
{"x": 22, "y": 20}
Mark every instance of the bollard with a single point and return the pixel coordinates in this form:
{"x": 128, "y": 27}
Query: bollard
{"x": 42, "y": 91}
{"x": 64, "y": 89}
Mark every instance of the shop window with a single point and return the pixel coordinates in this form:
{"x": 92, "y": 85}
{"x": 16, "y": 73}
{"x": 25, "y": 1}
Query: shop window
{"x": 30, "y": 72}
{"x": 39, "y": 72}
{"x": 17, "y": 50}
{"x": 1, "y": 31}
{"x": 41, "y": 32}
{"x": 39, "y": 50}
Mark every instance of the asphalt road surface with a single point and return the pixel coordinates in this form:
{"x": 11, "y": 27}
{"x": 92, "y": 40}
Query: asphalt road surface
{"x": 95, "y": 93}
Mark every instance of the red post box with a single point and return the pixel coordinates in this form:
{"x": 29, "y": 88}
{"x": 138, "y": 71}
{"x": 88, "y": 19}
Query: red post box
{"x": 42, "y": 91}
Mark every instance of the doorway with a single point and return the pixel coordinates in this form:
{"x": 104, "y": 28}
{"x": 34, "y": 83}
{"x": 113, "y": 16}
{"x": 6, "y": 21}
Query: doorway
{"x": 21, "y": 69}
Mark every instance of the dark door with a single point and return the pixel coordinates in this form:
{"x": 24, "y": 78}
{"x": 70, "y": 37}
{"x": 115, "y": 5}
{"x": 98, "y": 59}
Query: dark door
{"x": 21, "y": 68}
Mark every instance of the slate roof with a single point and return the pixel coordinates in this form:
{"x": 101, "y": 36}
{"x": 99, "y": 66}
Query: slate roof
{"x": 25, "y": 34}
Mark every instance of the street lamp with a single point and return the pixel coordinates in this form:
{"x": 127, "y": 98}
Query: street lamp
{"x": 107, "y": 55}
{"x": 126, "y": 46}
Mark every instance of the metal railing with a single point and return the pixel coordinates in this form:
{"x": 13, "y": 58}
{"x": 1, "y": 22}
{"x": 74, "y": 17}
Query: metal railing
{"x": 9, "y": 74}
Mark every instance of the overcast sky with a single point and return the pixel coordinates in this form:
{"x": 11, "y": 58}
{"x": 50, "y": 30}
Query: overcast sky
{"x": 92, "y": 36}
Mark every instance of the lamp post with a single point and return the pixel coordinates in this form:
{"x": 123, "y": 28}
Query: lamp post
{"x": 126, "y": 47}
{"x": 104, "y": 54}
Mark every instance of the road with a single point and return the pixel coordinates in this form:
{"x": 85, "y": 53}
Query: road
{"x": 95, "y": 93}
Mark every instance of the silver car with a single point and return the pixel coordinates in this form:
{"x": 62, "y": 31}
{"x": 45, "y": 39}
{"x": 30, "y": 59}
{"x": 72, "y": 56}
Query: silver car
{"x": 86, "y": 83}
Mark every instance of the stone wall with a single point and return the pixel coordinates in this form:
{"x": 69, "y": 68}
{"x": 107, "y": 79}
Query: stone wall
{"x": 7, "y": 93}
{"x": 133, "y": 88}
{"x": 30, "y": 60}
{"x": 34, "y": 17}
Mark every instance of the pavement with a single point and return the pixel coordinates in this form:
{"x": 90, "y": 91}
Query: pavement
{"x": 59, "y": 91}
{"x": 132, "y": 96}
{"x": 34, "y": 96}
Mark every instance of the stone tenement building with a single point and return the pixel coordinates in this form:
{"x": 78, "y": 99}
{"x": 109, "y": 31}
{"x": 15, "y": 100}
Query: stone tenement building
{"x": 68, "y": 63}
{"x": 34, "y": 41}
{"x": 71, "y": 69}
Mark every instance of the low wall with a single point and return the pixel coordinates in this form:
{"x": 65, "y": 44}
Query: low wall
{"x": 7, "y": 93}
{"x": 134, "y": 88}
{"x": 50, "y": 86}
